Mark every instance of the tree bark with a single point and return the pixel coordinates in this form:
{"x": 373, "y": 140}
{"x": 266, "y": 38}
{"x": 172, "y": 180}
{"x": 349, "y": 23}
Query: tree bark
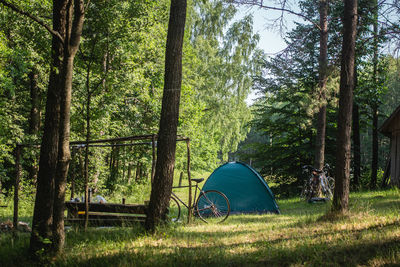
{"x": 48, "y": 218}
{"x": 375, "y": 144}
{"x": 138, "y": 172}
{"x": 86, "y": 177}
{"x": 129, "y": 173}
{"x": 43, "y": 210}
{"x": 323, "y": 63}
{"x": 356, "y": 145}
{"x": 153, "y": 158}
{"x": 34, "y": 120}
{"x": 162, "y": 186}
{"x": 342, "y": 181}
{"x": 74, "y": 18}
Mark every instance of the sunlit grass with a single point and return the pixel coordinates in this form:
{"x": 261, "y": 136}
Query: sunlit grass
{"x": 369, "y": 235}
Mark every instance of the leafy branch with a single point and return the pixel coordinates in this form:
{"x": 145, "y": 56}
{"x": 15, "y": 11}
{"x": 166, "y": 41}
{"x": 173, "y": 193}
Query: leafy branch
{"x": 37, "y": 20}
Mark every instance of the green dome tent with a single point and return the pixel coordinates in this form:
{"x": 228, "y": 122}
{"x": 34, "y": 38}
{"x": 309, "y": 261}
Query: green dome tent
{"x": 245, "y": 188}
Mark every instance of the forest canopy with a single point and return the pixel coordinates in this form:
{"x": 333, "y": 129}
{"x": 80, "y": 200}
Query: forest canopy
{"x": 118, "y": 81}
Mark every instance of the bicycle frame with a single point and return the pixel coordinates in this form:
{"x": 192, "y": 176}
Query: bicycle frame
{"x": 214, "y": 204}
{"x": 318, "y": 176}
{"x": 181, "y": 201}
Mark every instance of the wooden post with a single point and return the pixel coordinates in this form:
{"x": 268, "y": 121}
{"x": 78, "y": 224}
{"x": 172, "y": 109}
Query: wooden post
{"x": 16, "y": 185}
{"x": 72, "y": 173}
{"x": 180, "y": 179}
{"x": 86, "y": 184}
{"x": 153, "y": 163}
{"x": 189, "y": 179}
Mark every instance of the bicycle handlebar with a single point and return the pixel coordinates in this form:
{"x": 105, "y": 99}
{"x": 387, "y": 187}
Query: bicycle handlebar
{"x": 312, "y": 168}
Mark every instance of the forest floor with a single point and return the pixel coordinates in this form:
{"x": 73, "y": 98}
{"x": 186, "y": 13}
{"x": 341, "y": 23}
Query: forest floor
{"x": 369, "y": 235}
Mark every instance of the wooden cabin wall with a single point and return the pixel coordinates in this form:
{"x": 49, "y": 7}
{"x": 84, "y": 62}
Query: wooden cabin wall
{"x": 395, "y": 153}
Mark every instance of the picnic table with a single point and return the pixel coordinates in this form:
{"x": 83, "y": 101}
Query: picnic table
{"x": 106, "y": 214}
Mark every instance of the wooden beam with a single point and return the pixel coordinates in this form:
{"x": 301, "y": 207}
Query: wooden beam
{"x": 107, "y": 207}
{"x": 111, "y": 140}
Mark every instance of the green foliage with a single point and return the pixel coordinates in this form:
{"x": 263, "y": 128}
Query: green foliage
{"x": 392, "y": 96}
{"x": 285, "y": 114}
{"x": 119, "y": 72}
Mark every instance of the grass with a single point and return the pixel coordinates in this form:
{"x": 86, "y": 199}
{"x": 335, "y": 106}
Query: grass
{"x": 369, "y": 235}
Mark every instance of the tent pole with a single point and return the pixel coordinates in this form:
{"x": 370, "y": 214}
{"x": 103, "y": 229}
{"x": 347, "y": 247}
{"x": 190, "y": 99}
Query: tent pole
{"x": 189, "y": 179}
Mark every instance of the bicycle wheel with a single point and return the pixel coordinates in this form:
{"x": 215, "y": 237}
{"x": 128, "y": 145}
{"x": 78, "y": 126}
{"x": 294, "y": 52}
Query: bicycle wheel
{"x": 212, "y": 206}
{"x": 331, "y": 183}
{"x": 174, "y": 210}
{"x": 305, "y": 191}
{"x": 325, "y": 188}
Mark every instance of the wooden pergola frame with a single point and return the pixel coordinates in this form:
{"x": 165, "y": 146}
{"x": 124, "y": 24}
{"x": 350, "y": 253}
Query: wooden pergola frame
{"x": 110, "y": 142}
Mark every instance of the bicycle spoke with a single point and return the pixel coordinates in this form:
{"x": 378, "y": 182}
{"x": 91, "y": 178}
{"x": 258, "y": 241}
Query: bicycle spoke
{"x": 212, "y": 204}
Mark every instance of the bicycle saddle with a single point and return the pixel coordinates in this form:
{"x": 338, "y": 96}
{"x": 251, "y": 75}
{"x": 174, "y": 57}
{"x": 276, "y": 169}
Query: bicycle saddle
{"x": 199, "y": 180}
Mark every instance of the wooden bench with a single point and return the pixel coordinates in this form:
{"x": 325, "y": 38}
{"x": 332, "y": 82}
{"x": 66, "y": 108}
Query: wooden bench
{"x": 107, "y": 214}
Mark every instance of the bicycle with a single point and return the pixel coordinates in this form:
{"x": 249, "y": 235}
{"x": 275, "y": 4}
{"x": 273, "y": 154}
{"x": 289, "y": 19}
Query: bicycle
{"x": 317, "y": 177}
{"x": 211, "y": 205}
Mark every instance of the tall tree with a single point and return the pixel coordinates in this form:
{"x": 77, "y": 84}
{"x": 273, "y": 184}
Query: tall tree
{"x": 74, "y": 24}
{"x": 356, "y": 140}
{"x": 34, "y": 119}
{"x": 375, "y": 101}
{"x": 54, "y": 153}
{"x": 323, "y": 77}
{"x": 63, "y": 26}
{"x": 342, "y": 181}
{"x": 162, "y": 185}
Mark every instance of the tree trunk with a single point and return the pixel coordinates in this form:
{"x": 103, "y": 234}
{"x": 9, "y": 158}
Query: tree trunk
{"x": 323, "y": 62}
{"x": 153, "y": 158}
{"x": 356, "y": 145}
{"x": 343, "y": 147}
{"x": 129, "y": 173}
{"x": 43, "y": 210}
{"x": 138, "y": 171}
{"x": 162, "y": 186}
{"x": 374, "y": 162}
{"x": 356, "y": 135}
{"x": 34, "y": 121}
{"x": 74, "y": 18}
{"x": 86, "y": 177}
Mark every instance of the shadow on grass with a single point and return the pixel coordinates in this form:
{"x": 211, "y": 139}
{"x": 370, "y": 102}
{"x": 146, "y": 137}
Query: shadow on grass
{"x": 348, "y": 248}
{"x": 255, "y": 253}
{"x": 95, "y": 235}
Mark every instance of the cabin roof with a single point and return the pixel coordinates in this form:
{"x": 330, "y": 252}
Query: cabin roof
{"x": 385, "y": 128}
